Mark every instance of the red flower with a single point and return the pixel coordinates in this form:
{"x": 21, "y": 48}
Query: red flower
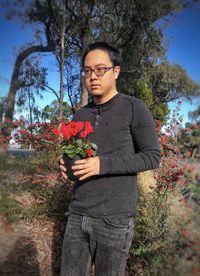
{"x": 65, "y": 130}
{"x": 89, "y": 152}
{"x": 69, "y": 136}
{"x": 75, "y": 127}
{"x": 8, "y": 138}
{"x": 22, "y": 131}
{"x": 83, "y": 134}
{"x": 188, "y": 153}
{"x": 37, "y": 137}
{"x": 55, "y": 132}
{"x": 88, "y": 129}
{"x": 48, "y": 137}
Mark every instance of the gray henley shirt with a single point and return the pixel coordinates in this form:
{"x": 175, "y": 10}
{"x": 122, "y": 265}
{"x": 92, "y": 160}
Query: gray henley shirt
{"x": 124, "y": 132}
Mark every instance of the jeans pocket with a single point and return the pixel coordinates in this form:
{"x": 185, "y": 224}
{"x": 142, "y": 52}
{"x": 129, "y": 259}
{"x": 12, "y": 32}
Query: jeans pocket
{"x": 118, "y": 222}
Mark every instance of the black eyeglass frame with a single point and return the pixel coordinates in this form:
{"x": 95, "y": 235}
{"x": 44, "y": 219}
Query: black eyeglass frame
{"x": 106, "y": 69}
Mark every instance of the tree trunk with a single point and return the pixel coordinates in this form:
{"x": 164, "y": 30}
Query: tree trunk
{"x": 30, "y": 109}
{"x": 15, "y": 84}
{"x": 84, "y": 92}
{"x": 85, "y": 41}
{"x": 62, "y": 57}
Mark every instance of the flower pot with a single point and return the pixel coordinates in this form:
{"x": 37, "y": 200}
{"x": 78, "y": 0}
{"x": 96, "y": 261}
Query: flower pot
{"x": 69, "y": 162}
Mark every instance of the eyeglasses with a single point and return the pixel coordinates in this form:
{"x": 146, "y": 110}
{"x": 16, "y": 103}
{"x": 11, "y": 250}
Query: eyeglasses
{"x": 99, "y": 71}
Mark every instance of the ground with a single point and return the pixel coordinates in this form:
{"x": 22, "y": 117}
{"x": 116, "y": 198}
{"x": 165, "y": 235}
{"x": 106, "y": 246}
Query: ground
{"x": 32, "y": 245}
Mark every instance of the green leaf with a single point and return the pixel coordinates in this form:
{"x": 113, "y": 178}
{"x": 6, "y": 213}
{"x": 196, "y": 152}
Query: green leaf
{"x": 79, "y": 150}
{"x": 71, "y": 155}
{"x": 79, "y": 142}
{"x": 86, "y": 146}
{"x": 83, "y": 154}
{"x": 93, "y": 145}
{"x": 70, "y": 146}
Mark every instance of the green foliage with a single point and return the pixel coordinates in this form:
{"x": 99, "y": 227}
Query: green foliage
{"x": 2, "y": 107}
{"x": 9, "y": 207}
{"x": 135, "y": 27}
{"x": 159, "y": 109}
{"x": 195, "y": 115}
{"x": 51, "y": 112}
{"x": 158, "y": 84}
{"x": 37, "y": 180}
{"x": 143, "y": 92}
{"x": 166, "y": 229}
{"x": 150, "y": 225}
{"x": 190, "y": 138}
{"x": 79, "y": 147}
{"x": 155, "y": 247}
{"x": 170, "y": 81}
{"x": 160, "y": 242}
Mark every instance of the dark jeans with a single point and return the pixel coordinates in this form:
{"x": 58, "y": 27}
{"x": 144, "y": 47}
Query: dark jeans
{"x": 104, "y": 242}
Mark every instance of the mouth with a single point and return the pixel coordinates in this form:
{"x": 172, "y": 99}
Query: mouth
{"x": 95, "y": 86}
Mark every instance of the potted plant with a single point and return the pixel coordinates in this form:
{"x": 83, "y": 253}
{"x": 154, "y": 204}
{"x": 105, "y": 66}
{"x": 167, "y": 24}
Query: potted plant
{"x": 74, "y": 143}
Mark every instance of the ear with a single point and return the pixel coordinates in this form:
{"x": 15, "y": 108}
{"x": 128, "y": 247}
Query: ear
{"x": 116, "y": 71}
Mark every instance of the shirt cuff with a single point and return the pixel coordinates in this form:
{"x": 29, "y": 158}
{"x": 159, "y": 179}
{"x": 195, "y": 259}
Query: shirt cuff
{"x": 105, "y": 165}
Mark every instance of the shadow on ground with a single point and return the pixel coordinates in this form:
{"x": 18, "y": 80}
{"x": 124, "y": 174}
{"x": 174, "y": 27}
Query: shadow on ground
{"x": 22, "y": 259}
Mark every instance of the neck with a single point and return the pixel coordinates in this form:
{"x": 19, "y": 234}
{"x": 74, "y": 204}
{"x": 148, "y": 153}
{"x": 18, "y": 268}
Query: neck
{"x": 101, "y": 99}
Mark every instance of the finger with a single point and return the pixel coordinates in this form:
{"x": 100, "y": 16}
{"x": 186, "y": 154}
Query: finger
{"x": 64, "y": 175}
{"x": 63, "y": 168}
{"x": 85, "y": 176}
{"x": 79, "y": 167}
{"x": 82, "y": 161}
{"x": 80, "y": 172}
{"x": 62, "y": 162}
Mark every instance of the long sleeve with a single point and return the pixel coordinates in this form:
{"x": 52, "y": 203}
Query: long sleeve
{"x": 127, "y": 143}
{"x": 145, "y": 142}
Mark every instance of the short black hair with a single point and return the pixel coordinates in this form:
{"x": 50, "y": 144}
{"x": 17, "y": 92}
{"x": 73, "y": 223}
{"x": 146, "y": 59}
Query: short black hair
{"x": 113, "y": 52}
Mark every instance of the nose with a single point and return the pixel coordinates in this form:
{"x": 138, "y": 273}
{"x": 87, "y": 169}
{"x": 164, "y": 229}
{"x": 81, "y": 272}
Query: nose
{"x": 93, "y": 75}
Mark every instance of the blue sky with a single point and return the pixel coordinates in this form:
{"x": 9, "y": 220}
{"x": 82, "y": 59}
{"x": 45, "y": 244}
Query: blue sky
{"x": 182, "y": 38}
{"x": 183, "y": 41}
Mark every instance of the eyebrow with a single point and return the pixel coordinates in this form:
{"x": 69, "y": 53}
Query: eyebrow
{"x": 100, "y": 64}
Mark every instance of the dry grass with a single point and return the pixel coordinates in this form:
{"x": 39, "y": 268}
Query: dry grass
{"x": 32, "y": 246}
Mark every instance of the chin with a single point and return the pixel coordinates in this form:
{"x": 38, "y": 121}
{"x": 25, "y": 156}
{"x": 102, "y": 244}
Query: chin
{"x": 95, "y": 93}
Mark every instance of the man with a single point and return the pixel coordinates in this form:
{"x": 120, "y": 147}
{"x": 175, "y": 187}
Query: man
{"x": 101, "y": 214}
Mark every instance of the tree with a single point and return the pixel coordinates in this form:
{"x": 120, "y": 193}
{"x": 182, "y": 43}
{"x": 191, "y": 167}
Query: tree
{"x": 26, "y": 51}
{"x": 190, "y": 138}
{"x": 170, "y": 82}
{"x": 55, "y": 18}
{"x": 133, "y": 27}
{"x": 130, "y": 25}
{"x": 2, "y": 108}
{"x": 195, "y": 115}
{"x": 60, "y": 25}
{"x": 144, "y": 75}
{"x": 32, "y": 78}
{"x": 51, "y": 112}
{"x": 190, "y": 135}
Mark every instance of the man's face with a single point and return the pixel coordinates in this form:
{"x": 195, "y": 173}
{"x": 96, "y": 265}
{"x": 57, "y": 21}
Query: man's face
{"x": 100, "y": 86}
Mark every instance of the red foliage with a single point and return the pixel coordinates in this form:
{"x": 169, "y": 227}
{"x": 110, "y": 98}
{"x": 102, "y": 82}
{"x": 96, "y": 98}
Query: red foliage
{"x": 173, "y": 171}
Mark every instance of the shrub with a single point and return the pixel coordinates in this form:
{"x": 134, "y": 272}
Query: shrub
{"x": 153, "y": 243}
